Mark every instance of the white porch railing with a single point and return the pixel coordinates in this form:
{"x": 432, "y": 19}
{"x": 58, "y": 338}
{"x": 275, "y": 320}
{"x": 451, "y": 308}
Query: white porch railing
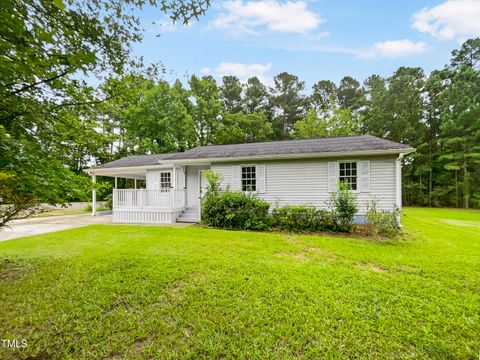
{"x": 148, "y": 198}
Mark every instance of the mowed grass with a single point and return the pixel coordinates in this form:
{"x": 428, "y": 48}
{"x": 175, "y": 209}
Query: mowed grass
{"x": 156, "y": 292}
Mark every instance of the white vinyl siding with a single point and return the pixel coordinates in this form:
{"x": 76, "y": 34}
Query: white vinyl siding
{"x": 180, "y": 178}
{"x": 153, "y": 179}
{"x": 296, "y": 182}
{"x": 235, "y": 180}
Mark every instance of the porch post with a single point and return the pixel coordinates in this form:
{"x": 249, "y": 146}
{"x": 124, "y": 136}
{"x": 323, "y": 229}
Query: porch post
{"x": 135, "y": 183}
{"x": 94, "y": 196}
{"x": 115, "y": 182}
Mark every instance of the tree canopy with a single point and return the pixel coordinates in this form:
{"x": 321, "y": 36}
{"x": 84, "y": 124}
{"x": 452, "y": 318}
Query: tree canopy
{"x": 48, "y": 123}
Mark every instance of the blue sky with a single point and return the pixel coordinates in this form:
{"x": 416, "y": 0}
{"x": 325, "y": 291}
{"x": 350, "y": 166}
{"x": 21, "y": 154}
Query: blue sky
{"x": 315, "y": 40}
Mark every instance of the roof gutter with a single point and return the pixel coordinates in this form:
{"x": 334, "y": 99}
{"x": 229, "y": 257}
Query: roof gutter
{"x": 291, "y": 156}
{"x": 111, "y": 170}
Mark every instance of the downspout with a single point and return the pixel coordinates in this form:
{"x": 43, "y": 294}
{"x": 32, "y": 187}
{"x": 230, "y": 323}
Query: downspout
{"x": 398, "y": 183}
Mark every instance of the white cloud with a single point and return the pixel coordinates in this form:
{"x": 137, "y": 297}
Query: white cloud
{"x": 321, "y": 35}
{"x": 393, "y": 49}
{"x": 453, "y": 19}
{"x": 242, "y": 71}
{"x": 254, "y": 17}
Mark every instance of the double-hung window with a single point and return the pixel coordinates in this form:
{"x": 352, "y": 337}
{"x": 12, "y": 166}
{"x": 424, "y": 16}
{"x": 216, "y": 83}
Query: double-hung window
{"x": 348, "y": 173}
{"x": 249, "y": 178}
{"x": 165, "y": 181}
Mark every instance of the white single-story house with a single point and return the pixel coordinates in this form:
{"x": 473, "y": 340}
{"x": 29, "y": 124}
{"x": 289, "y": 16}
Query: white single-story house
{"x": 289, "y": 172}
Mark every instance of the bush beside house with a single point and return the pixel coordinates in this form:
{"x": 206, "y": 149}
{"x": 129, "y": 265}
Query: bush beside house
{"x": 381, "y": 222}
{"x": 303, "y": 218}
{"x": 232, "y": 210}
{"x": 235, "y": 210}
{"x": 245, "y": 211}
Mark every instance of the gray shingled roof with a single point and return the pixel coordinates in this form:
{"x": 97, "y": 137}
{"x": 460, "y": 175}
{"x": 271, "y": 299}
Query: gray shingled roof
{"x": 135, "y": 160}
{"x": 308, "y": 146}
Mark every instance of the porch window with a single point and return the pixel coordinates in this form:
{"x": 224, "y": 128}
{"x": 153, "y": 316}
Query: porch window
{"x": 165, "y": 181}
{"x": 348, "y": 173}
{"x": 249, "y": 178}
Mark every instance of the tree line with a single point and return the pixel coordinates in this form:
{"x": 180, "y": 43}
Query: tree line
{"x": 439, "y": 114}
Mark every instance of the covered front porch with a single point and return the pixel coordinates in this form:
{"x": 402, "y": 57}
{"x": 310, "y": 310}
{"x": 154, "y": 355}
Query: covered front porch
{"x": 158, "y": 193}
{"x": 148, "y": 205}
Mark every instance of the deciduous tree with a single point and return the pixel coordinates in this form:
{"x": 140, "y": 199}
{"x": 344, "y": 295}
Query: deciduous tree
{"x": 243, "y": 128}
{"x": 207, "y": 108}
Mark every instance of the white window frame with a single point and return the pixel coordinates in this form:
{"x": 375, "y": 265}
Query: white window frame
{"x": 241, "y": 178}
{"x": 162, "y": 188}
{"x": 357, "y": 162}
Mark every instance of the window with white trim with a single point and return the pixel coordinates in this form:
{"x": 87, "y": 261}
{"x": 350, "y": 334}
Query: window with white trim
{"x": 249, "y": 178}
{"x": 348, "y": 173}
{"x": 165, "y": 181}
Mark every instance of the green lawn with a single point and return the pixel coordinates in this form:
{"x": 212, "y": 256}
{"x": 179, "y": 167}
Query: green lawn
{"x": 154, "y": 292}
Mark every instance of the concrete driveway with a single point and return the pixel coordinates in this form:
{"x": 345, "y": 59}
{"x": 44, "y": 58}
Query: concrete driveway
{"x": 43, "y": 225}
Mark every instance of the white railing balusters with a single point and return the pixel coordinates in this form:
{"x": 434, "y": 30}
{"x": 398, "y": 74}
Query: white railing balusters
{"x": 149, "y": 198}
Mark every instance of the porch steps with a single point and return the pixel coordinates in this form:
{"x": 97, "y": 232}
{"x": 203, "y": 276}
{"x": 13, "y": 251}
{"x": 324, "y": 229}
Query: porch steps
{"x": 189, "y": 215}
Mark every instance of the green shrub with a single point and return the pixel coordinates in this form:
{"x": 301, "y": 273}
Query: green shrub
{"x": 328, "y": 220}
{"x": 382, "y": 222}
{"x": 302, "y": 218}
{"x": 109, "y": 202}
{"x": 238, "y": 210}
{"x": 344, "y": 206}
{"x": 214, "y": 179}
{"x": 235, "y": 210}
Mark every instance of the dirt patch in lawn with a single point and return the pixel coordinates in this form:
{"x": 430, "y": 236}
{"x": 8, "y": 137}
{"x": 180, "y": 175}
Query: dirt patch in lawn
{"x": 306, "y": 253}
{"x": 372, "y": 267}
{"x": 299, "y": 256}
{"x": 12, "y": 269}
{"x": 462, "y": 223}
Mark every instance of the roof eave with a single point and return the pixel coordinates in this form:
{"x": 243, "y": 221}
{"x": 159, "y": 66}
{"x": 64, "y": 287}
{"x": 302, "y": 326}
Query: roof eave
{"x": 291, "y": 156}
{"x": 113, "y": 170}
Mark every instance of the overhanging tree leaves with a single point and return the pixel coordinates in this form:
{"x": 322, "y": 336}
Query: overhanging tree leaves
{"x": 47, "y": 51}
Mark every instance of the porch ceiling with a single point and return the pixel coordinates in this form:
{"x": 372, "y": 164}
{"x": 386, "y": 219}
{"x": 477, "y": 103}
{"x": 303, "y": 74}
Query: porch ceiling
{"x": 122, "y": 173}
